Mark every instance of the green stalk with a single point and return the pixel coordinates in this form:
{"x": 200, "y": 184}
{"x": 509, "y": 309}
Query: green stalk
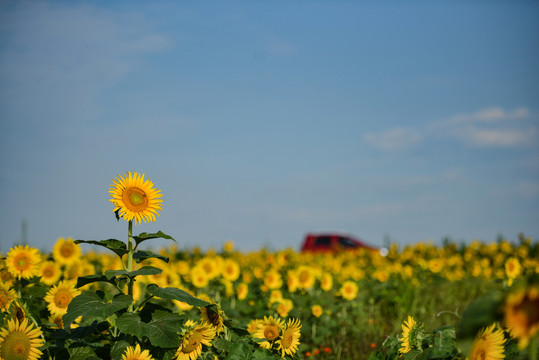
{"x": 533, "y": 347}
{"x": 130, "y": 251}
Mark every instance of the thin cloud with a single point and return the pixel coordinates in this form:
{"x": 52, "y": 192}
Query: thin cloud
{"x": 393, "y": 139}
{"x": 497, "y": 137}
{"x": 491, "y": 114}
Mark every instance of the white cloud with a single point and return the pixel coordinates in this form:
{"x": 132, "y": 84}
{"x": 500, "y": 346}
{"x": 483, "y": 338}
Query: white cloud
{"x": 491, "y": 114}
{"x": 393, "y": 139}
{"x": 497, "y": 137}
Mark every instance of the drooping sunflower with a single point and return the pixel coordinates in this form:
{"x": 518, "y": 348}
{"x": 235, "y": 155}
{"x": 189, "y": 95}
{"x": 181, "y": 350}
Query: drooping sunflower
{"x": 65, "y": 251}
{"x": 49, "y": 273}
{"x": 136, "y": 353}
{"x": 213, "y": 315}
{"x": 409, "y": 334}
{"x": 23, "y": 261}
{"x": 192, "y": 341}
{"x": 488, "y": 344}
{"x": 349, "y": 290}
{"x": 289, "y": 341}
{"x": 7, "y": 296}
{"x": 20, "y": 340}
{"x": 134, "y": 198}
{"x": 59, "y": 297}
{"x": 522, "y": 314}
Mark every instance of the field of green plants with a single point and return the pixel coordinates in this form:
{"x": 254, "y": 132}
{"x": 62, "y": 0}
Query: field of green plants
{"x": 455, "y": 301}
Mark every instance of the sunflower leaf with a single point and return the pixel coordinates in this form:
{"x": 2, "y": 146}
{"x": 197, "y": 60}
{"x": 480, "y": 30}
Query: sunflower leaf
{"x": 145, "y": 236}
{"x": 141, "y": 255}
{"x": 89, "y": 305}
{"x": 88, "y": 279}
{"x": 171, "y": 293}
{"x": 163, "y": 329}
{"x": 116, "y": 246}
{"x": 131, "y": 324}
{"x": 145, "y": 270}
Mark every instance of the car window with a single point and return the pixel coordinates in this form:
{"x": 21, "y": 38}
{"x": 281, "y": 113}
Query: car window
{"x": 347, "y": 243}
{"x": 323, "y": 241}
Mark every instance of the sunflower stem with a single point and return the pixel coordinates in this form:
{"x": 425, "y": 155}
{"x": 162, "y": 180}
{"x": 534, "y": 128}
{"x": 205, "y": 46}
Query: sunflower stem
{"x": 130, "y": 251}
{"x": 533, "y": 348}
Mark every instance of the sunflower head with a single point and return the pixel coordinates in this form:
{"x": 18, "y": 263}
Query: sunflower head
{"x": 488, "y": 344}
{"x": 412, "y": 335}
{"x": 522, "y": 314}
{"x": 289, "y": 341}
{"x": 23, "y": 261}
{"x": 136, "y": 353}
{"x": 134, "y": 198}
{"x": 66, "y": 252}
{"x": 20, "y": 341}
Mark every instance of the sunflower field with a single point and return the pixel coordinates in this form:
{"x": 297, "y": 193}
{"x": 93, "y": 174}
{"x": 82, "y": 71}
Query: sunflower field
{"x": 116, "y": 300}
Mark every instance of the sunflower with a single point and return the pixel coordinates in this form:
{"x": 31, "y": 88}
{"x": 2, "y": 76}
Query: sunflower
{"x": 522, "y": 314}
{"x": 317, "y": 310}
{"x": 512, "y": 269}
{"x": 65, "y": 251}
{"x": 20, "y": 341}
{"x": 326, "y": 283}
{"x": 136, "y": 353}
{"x": 410, "y": 335}
{"x": 273, "y": 280}
{"x": 488, "y": 344}
{"x": 231, "y": 270}
{"x": 22, "y": 261}
{"x": 269, "y": 328}
{"x": 284, "y": 306}
{"x": 242, "y": 291}
{"x": 135, "y": 198}
{"x": 59, "y": 297}
{"x": 7, "y": 296}
{"x": 192, "y": 341}
{"x": 213, "y": 315}
{"x": 49, "y": 273}
{"x": 349, "y": 290}
{"x": 306, "y": 277}
{"x": 199, "y": 277}
{"x": 289, "y": 341}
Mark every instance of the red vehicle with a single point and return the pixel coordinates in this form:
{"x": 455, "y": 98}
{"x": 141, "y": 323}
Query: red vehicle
{"x": 332, "y": 242}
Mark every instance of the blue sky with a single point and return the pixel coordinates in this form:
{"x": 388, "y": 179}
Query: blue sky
{"x": 263, "y": 120}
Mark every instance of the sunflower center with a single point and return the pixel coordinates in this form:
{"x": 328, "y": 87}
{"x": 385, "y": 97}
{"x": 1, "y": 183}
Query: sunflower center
{"x": 62, "y": 299}
{"x": 22, "y": 263}
{"x": 16, "y": 346}
{"x": 66, "y": 251}
{"x": 191, "y": 342}
{"x": 271, "y": 332}
{"x": 48, "y": 272}
{"x": 213, "y": 317}
{"x": 135, "y": 199}
{"x": 304, "y": 276}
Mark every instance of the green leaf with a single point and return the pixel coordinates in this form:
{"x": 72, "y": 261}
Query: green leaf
{"x": 89, "y": 305}
{"x": 82, "y": 353}
{"x": 141, "y": 255}
{"x": 117, "y": 246}
{"x": 163, "y": 329}
{"x": 170, "y": 293}
{"x": 118, "y": 349}
{"x": 88, "y": 279}
{"x": 145, "y": 270}
{"x": 129, "y": 323}
{"x": 145, "y": 236}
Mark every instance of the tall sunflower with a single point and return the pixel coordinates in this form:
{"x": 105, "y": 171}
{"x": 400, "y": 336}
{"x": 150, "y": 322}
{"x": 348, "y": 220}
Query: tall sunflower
{"x": 134, "y": 198}
{"x": 522, "y": 314}
{"x": 65, "y": 251}
{"x": 20, "y": 341}
{"x": 289, "y": 341}
{"x": 59, "y": 297}
{"x": 488, "y": 344}
{"x": 192, "y": 341}
{"x": 23, "y": 261}
{"x": 136, "y": 353}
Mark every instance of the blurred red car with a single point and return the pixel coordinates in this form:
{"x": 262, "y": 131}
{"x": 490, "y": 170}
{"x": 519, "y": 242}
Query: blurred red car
{"x": 333, "y": 242}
